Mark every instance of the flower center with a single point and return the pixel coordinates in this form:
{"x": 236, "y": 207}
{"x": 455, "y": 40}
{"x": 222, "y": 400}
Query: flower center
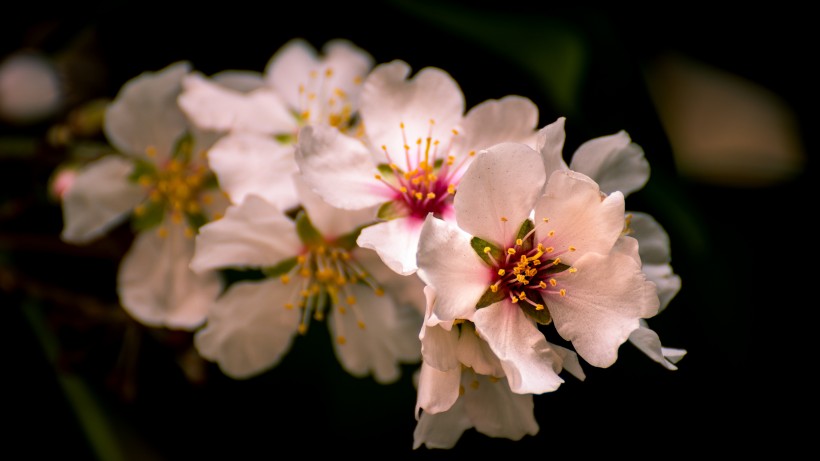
{"x": 428, "y": 180}
{"x": 322, "y": 102}
{"x": 527, "y": 272}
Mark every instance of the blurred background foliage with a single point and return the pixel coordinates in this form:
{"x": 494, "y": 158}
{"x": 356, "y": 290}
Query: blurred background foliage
{"x": 719, "y": 101}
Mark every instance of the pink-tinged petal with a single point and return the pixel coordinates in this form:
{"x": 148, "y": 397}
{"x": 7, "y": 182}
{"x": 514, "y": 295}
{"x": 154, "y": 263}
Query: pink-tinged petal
{"x": 156, "y": 286}
{"x": 550, "y": 143}
{"x": 396, "y": 242}
{"x": 429, "y": 105}
{"x": 437, "y": 389}
{"x": 668, "y": 283}
{"x": 442, "y": 430}
{"x": 578, "y": 215}
{"x": 243, "y": 81}
{"x": 247, "y": 163}
{"x": 100, "y": 198}
{"x": 212, "y": 106}
{"x": 289, "y": 68}
{"x": 614, "y": 162}
{"x": 249, "y": 329}
{"x": 509, "y": 119}
{"x": 376, "y": 338}
{"x": 407, "y": 290}
{"x": 439, "y": 348}
{"x": 253, "y": 234}
{"x": 604, "y": 301}
{"x": 339, "y": 168}
{"x": 529, "y": 363}
{"x": 648, "y": 342}
{"x": 145, "y": 113}
{"x": 330, "y": 221}
{"x": 350, "y": 65}
{"x": 496, "y": 411}
{"x": 449, "y": 264}
{"x": 475, "y": 353}
{"x": 570, "y": 362}
{"x": 653, "y": 239}
{"x": 497, "y": 192}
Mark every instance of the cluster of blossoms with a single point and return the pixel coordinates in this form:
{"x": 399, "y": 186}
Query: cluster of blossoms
{"x": 359, "y": 196}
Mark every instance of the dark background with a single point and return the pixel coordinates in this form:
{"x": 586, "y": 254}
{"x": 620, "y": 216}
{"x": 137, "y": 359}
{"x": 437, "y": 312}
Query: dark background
{"x": 739, "y": 249}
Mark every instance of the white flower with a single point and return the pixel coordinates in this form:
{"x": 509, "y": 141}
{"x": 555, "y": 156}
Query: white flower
{"x": 409, "y": 159}
{"x": 161, "y": 179}
{"x": 262, "y": 118}
{"x": 313, "y": 269}
{"x": 507, "y": 274}
{"x": 618, "y": 164}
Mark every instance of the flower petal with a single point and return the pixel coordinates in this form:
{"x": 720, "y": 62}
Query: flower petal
{"x": 475, "y": 353}
{"x": 438, "y": 348}
{"x": 614, "y": 162}
{"x": 243, "y": 81}
{"x": 350, "y": 65}
{"x": 290, "y": 67}
{"x": 377, "y": 339}
{"x": 649, "y": 343}
{"x": 449, "y": 264}
{"x": 156, "y": 286}
{"x": 653, "y": 239}
{"x": 498, "y": 412}
{"x": 217, "y": 107}
{"x": 253, "y": 234}
{"x": 667, "y": 282}
{"x": 442, "y": 430}
{"x": 100, "y": 198}
{"x": 145, "y": 113}
{"x": 249, "y": 330}
{"x": 339, "y": 168}
{"x": 570, "y": 362}
{"x": 530, "y": 365}
{"x": 330, "y": 221}
{"x": 550, "y": 143}
{"x": 395, "y": 241}
{"x": 497, "y": 192}
{"x": 579, "y": 216}
{"x": 509, "y": 119}
{"x": 438, "y": 390}
{"x": 430, "y": 104}
{"x": 604, "y": 300}
{"x": 247, "y": 163}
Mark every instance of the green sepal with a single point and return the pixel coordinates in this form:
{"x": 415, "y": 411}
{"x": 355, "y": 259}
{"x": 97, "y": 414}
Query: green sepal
{"x": 560, "y": 267}
{"x": 196, "y": 220}
{"x": 489, "y": 297}
{"x": 142, "y": 168}
{"x": 479, "y": 245}
{"x": 183, "y": 147}
{"x": 385, "y": 169}
{"x": 284, "y": 138}
{"x": 543, "y": 316}
{"x": 152, "y": 216}
{"x": 347, "y": 241}
{"x": 308, "y": 234}
{"x": 527, "y": 243}
{"x": 391, "y": 210}
{"x": 210, "y": 182}
{"x": 437, "y": 164}
{"x": 281, "y": 268}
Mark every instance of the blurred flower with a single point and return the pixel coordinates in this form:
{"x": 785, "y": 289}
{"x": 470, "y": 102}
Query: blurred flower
{"x": 160, "y": 178}
{"x": 30, "y": 88}
{"x": 61, "y": 181}
{"x": 261, "y": 119}
{"x": 409, "y": 156}
{"x": 313, "y": 269}
{"x": 508, "y": 275}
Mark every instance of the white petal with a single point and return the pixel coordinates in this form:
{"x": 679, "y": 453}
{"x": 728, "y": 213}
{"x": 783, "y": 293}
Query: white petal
{"x": 253, "y": 234}
{"x": 439, "y": 347}
{"x": 570, "y": 361}
{"x": 289, "y": 68}
{"x": 578, "y": 216}
{"x": 100, "y": 198}
{"x": 396, "y": 242}
{"x": 438, "y": 390}
{"x": 614, "y": 162}
{"x": 668, "y": 283}
{"x": 145, "y": 113}
{"x": 498, "y": 412}
{"x": 339, "y": 168}
{"x": 247, "y": 163}
{"x": 330, "y": 221}
{"x": 498, "y": 191}
{"x": 430, "y": 104}
{"x": 510, "y": 119}
{"x": 350, "y": 65}
{"x": 604, "y": 300}
{"x": 550, "y": 144}
{"x": 530, "y": 365}
{"x": 475, "y": 353}
{"x": 449, "y": 264}
{"x": 243, "y": 81}
{"x": 653, "y": 239}
{"x": 249, "y": 330}
{"x": 386, "y": 340}
{"x": 216, "y": 107}
{"x": 156, "y": 286}
{"x": 442, "y": 430}
{"x": 649, "y": 343}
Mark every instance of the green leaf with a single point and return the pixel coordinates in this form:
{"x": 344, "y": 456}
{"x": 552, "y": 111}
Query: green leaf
{"x": 281, "y": 268}
{"x": 479, "y": 245}
{"x": 308, "y": 234}
{"x": 490, "y": 297}
{"x": 152, "y": 215}
{"x": 526, "y": 227}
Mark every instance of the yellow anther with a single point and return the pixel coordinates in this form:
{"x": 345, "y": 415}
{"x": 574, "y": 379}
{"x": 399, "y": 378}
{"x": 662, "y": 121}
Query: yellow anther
{"x": 305, "y": 272}
{"x": 494, "y": 288}
{"x": 501, "y": 272}
{"x": 522, "y": 295}
{"x": 455, "y": 132}
{"x": 572, "y": 248}
{"x": 549, "y": 249}
{"x": 474, "y": 384}
{"x": 341, "y": 340}
{"x": 302, "y": 328}
{"x": 451, "y": 189}
{"x": 145, "y": 180}
{"x": 401, "y": 125}
{"x": 553, "y": 282}
{"x": 328, "y": 72}
{"x": 406, "y": 147}
{"x": 493, "y": 379}
{"x": 572, "y": 270}
{"x": 305, "y": 115}
{"x": 379, "y": 291}
{"x": 542, "y": 284}
{"x": 510, "y": 251}
{"x": 361, "y": 325}
{"x": 418, "y": 195}
{"x": 300, "y": 259}
{"x": 378, "y": 176}
{"x": 301, "y": 88}
{"x": 521, "y": 278}
{"x": 539, "y": 307}
{"x": 557, "y": 261}
{"x": 403, "y": 189}
{"x": 289, "y": 306}
{"x": 432, "y": 122}
{"x": 189, "y": 233}
{"x": 139, "y": 210}
{"x": 340, "y": 93}
{"x": 207, "y": 199}
{"x": 155, "y": 196}
{"x": 351, "y": 300}
{"x": 319, "y": 316}
{"x": 504, "y": 219}
{"x": 192, "y": 208}
{"x": 151, "y": 151}
{"x": 162, "y": 232}
{"x": 551, "y": 233}
{"x": 519, "y": 242}
{"x": 514, "y": 299}
{"x": 471, "y": 153}
{"x": 285, "y": 279}
{"x": 342, "y": 310}
{"x": 563, "y": 292}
